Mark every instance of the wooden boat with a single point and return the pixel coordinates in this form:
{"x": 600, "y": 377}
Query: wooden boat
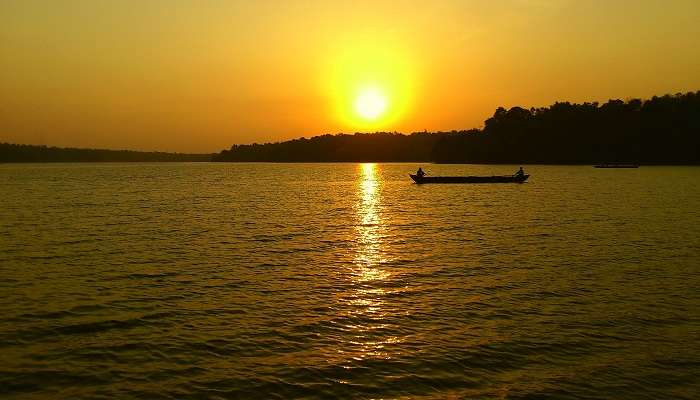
{"x": 616, "y": 166}
{"x": 470, "y": 179}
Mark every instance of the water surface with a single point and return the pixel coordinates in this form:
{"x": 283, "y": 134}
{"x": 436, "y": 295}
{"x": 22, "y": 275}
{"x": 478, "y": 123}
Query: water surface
{"x": 347, "y": 280}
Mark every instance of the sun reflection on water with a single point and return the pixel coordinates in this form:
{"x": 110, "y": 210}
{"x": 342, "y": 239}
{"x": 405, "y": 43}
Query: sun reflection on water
{"x": 369, "y": 228}
{"x": 365, "y": 302}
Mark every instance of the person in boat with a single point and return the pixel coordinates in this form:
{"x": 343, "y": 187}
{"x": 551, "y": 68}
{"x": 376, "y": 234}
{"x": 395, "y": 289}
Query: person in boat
{"x": 520, "y": 173}
{"x": 420, "y": 172}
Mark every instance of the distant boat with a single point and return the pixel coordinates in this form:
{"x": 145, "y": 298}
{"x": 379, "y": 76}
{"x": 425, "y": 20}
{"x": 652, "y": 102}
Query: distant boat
{"x": 470, "y": 179}
{"x": 616, "y": 165}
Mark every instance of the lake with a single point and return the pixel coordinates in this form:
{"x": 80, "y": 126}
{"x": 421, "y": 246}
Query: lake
{"x": 347, "y": 280}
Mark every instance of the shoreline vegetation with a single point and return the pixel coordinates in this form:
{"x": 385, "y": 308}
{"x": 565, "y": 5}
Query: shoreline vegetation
{"x": 25, "y": 153}
{"x": 662, "y": 130}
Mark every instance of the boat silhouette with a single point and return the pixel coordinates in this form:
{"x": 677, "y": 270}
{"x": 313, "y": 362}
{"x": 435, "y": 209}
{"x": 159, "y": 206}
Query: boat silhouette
{"x": 616, "y": 165}
{"x": 470, "y": 179}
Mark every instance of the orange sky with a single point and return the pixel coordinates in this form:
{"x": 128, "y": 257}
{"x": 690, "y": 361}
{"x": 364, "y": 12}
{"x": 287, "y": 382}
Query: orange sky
{"x": 198, "y": 76}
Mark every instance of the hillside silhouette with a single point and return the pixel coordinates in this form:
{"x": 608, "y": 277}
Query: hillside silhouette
{"x": 30, "y": 153}
{"x": 660, "y": 130}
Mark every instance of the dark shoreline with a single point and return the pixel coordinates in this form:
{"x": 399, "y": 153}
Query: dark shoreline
{"x": 26, "y": 153}
{"x": 591, "y": 164}
{"x": 658, "y": 131}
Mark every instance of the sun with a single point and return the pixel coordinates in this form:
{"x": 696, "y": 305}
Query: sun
{"x": 370, "y": 104}
{"x": 369, "y": 83}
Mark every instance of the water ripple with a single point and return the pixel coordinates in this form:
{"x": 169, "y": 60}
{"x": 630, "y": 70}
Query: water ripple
{"x": 347, "y": 281}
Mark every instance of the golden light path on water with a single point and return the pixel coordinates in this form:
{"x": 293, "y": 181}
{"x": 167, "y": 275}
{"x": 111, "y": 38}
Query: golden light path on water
{"x": 369, "y": 276}
{"x": 369, "y": 255}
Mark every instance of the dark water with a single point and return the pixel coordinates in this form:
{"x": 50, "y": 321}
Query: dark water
{"x": 318, "y": 281}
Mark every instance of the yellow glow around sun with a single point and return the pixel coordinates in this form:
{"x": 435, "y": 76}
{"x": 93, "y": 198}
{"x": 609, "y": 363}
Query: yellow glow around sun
{"x": 370, "y": 84}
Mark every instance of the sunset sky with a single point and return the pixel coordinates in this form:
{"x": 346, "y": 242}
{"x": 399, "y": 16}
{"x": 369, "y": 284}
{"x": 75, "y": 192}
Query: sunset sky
{"x": 199, "y": 76}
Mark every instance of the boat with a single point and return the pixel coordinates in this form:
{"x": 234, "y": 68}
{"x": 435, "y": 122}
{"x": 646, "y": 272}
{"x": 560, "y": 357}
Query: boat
{"x": 616, "y": 165}
{"x": 470, "y": 179}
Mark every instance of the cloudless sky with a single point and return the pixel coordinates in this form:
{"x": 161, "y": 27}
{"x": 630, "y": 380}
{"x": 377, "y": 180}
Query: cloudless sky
{"x": 201, "y": 75}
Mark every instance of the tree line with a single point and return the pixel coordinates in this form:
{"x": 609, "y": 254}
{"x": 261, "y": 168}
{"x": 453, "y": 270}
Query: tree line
{"x": 660, "y": 130}
{"x": 29, "y": 153}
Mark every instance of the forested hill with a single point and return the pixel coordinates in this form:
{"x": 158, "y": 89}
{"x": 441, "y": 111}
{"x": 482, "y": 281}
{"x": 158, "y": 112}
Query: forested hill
{"x": 29, "y": 153}
{"x": 660, "y": 130}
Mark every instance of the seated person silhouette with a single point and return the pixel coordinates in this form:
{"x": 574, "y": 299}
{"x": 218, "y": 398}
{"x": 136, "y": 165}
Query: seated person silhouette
{"x": 520, "y": 173}
{"x": 420, "y": 172}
